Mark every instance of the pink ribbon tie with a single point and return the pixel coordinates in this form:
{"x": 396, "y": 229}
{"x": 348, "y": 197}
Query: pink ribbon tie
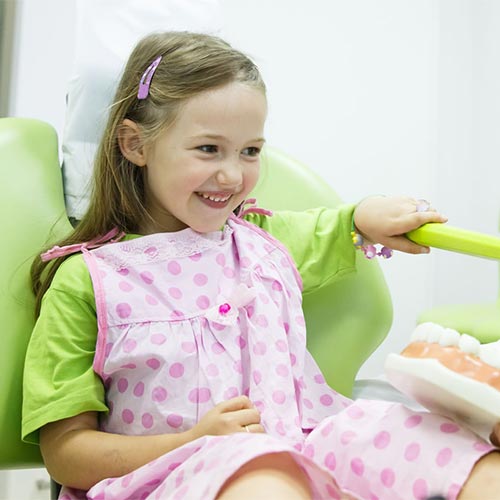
{"x": 56, "y": 251}
{"x": 253, "y": 209}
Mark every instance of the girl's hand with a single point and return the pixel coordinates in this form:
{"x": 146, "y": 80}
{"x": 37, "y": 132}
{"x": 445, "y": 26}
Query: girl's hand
{"x": 235, "y": 415}
{"x": 386, "y": 220}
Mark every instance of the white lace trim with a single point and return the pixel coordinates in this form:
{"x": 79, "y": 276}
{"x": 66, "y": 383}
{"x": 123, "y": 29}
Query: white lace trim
{"x": 160, "y": 247}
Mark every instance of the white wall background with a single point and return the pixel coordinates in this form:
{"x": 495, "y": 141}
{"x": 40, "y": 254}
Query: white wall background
{"x": 386, "y": 96}
{"x": 392, "y": 96}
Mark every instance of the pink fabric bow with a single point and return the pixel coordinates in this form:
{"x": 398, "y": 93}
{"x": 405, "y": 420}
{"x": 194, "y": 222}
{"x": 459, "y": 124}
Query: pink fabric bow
{"x": 226, "y": 310}
{"x": 253, "y": 209}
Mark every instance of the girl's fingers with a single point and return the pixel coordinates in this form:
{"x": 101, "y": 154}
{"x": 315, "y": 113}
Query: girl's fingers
{"x": 414, "y": 220}
{"x": 403, "y": 244}
{"x": 234, "y": 404}
{"x": 430, "y": 216}
{"x": 405, "y": 224}
{"x": 247, "y": 417}
{"x": 241, "y": 417}
{"x": 253, "y": 428}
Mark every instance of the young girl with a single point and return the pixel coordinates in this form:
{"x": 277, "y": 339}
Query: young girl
{"x": 168, "y": 359}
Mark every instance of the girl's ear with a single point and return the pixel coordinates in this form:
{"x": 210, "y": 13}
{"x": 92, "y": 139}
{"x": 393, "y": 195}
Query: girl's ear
{"x": 130, "y": 142}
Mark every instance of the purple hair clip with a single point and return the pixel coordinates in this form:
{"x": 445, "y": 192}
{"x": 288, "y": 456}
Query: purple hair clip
{"x": 146, "y": 79}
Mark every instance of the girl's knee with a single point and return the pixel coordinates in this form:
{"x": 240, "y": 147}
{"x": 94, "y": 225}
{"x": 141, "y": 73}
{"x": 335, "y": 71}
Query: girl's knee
{"x": 484, "y": 479}
{"x": 274, "y": 472}
{"x": 281, "y": 464}
{"x": 280, "y": 461}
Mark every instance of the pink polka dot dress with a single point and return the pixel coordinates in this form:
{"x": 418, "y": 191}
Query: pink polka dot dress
{"x": 188, "y": 320}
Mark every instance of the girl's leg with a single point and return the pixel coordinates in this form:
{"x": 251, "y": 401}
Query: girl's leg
{"x": 484, "y": 480}
{"x": 275, "y": 475}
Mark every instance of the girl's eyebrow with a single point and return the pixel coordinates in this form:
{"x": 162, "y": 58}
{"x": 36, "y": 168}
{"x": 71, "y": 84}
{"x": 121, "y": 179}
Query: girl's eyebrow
{"x": 208, "y": 136}
{"x": 218, "y": 137}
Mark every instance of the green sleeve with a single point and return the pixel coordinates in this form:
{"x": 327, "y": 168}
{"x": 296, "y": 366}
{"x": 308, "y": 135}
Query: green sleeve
{"x": 59, "y": 381}
{"x": 319, "y": 241}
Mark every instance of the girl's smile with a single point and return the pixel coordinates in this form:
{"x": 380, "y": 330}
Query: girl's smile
{"x": 215, "y": 200}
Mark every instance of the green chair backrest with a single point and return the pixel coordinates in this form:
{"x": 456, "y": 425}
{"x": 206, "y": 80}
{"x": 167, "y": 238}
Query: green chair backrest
{"x": 31, "y": 209}
{"x": 346, "y": 320}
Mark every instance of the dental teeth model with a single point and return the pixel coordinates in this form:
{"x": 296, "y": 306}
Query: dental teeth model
{"x": 451, "y": 374}
{"x": 470, "y": 350}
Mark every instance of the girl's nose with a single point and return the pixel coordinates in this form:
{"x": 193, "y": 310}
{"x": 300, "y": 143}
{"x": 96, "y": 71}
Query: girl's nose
{"x": 230, "y": 174}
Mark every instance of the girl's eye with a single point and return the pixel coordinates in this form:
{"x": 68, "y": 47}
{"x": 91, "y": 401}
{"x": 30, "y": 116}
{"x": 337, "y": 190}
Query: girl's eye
{"x": 251, "y": 151}
{"x": 208, "y": 148}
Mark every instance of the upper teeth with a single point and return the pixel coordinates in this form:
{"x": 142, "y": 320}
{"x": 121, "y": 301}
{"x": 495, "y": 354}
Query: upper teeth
{"x": 214, "y": 198}
{"x": 432, "y": 332}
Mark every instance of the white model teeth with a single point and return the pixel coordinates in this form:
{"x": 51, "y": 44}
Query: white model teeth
{"x": 469, "y": 344}
{"x": 214, "y": 198}
{"x": 426, "y": 332}
{"x": 489, "y": 353}
{"x": 449, "y": 337}
{"x": 446, "y": 337}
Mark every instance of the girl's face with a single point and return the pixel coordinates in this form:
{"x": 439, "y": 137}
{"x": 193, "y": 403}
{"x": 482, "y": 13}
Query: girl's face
{"x": 204, "y": 165}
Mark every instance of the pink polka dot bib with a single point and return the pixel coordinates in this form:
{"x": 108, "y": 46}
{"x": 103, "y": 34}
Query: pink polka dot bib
{"x": 187, "y": 320}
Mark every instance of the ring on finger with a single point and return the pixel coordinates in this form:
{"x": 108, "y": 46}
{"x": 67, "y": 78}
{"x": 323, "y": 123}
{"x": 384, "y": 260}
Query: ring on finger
{"x": 422, "y": 206}
{"x": 246, "y": 428}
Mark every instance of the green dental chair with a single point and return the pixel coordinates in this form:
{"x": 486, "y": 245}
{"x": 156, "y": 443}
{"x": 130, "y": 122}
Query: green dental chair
{"x": 346, "y": 320}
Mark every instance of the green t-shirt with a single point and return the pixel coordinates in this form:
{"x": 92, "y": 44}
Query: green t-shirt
{"x": 59, "y": 381}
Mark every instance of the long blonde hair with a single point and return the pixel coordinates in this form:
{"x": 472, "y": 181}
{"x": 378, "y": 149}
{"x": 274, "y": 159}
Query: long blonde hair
{"x": 191, "y": 63}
